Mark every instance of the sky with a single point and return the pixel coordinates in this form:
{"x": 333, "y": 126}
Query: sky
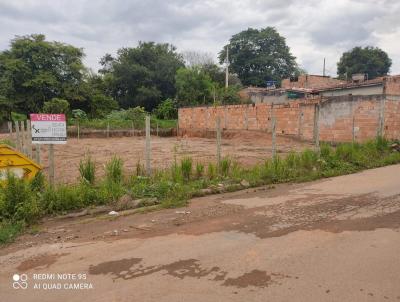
{"x": 314, "y": 29}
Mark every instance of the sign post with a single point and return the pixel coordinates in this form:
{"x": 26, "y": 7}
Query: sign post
{"x": 49, "y": 129}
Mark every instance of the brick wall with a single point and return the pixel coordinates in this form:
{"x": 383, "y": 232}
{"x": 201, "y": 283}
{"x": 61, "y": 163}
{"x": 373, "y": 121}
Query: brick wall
{"x": 336, "y": 119}
{"x": 310, "y": 81}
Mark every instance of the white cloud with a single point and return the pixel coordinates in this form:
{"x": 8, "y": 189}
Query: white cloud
{"x": 313, "y": 29}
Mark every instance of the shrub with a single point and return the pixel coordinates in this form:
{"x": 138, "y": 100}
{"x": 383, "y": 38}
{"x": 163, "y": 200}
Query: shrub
{"x": 38, "y": 183}
{"x": 87, "y": 169}
{"x": 9, "y": 230}
{"x": 137, "y": 115}
{"x": 18, "y": 202}
{"x": 167, "y": 110}
{"x": 61, "y": 198}
{"x": 79, "y": 114}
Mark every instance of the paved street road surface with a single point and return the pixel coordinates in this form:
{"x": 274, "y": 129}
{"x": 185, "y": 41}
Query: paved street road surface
{"x": 331, "y": 240}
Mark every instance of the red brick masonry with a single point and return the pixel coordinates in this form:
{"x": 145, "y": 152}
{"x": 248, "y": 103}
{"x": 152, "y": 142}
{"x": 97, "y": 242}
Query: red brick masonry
{"x": 370, "y": 116}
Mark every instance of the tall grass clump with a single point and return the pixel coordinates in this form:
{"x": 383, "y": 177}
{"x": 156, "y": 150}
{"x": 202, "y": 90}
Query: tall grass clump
{"x": 87, "y": 170}
{"x": 114, "y": 170}
{"x": 224, "y": 166}
{"x": 186, "y": 167}
{"x": 112, "y": 188}
{"x": 199, "y": 170}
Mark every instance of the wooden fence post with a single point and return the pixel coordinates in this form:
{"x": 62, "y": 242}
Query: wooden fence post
{"x": 10, "y": 129}
{"x": 29, "y": 138}
{"x": 18, "y": 137}
{"x": 133, "y": 128}
{"x": 353, "y": 131}
{"x": 108, "y": 129}
{"x": 157, "y": 129}
{"x": 23, "y": 135}
{"x": 51, "y": 165}
{"x": 148, "y": 158}
{"x": 37, "y": 153}
{"x": 218, "y": 130}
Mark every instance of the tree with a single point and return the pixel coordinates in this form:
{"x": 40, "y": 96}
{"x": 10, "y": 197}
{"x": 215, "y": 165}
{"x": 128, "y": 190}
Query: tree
{"x": 372, "y": 61}
{"x": 193, "y": 87}
{"x": 257, "y": 56}
{"x": 166, "y": 110}
{"x": 56, "y": 105}
{"x": 194, "y": 58}
{"x": 34, "y": 71}
{"x": 142, "y": 76}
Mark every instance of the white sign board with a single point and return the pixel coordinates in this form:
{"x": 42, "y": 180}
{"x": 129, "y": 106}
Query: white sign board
{"x": 48, "y": 128}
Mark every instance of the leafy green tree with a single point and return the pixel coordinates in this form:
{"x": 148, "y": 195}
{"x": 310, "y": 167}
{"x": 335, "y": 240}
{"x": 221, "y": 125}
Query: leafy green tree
{"x": 217, "y": 75}
{"x": 372, "y": 61}
{"x": 257, "y": 56}
{"x": 166, "y": 110}
{"x": 228, "y": 96}
{"x": 34, "y": 71}
{"x": 193, "y": 87}
{"x": 142, "y": 76}
{"x": 56, "y": 105}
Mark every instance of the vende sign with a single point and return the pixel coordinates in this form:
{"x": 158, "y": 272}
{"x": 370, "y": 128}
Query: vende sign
{"x": 48, "y": 128}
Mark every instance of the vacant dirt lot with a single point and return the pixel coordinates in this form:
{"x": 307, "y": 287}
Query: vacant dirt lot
{"x": 246, "y": 147}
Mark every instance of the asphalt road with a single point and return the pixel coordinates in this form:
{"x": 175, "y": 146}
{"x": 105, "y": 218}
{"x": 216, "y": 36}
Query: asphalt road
{"x": 331, "y": 240}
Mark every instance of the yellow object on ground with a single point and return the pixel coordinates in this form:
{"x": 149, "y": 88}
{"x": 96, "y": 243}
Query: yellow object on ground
{"x": 14, "y": 161}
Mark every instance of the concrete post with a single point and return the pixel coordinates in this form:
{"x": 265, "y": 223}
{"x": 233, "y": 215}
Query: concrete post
{"x": 273, "y": 130}
{"x": 246, "y": 118}
{"x": 148, "y": 150}
{"x": 316, "y": 126}
{"x": 301, "y": 117}
{"x": 381, "y": 121}
{"x": 218, "y": 130}
{"x": 225, "y": 117}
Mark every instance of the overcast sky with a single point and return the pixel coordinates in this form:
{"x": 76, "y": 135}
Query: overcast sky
{"x": 314, "y": 29}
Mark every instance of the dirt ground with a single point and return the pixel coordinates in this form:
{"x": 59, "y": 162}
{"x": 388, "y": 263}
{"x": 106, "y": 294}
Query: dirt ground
{"x": 246, "y": 147}
{"x": 330, "y": 240}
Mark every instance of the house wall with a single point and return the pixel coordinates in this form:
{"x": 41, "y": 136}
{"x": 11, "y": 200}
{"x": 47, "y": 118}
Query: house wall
{"x": 310, "y": 81}
{"x": 366, "y": 90}
{"x": 370, "y": 116}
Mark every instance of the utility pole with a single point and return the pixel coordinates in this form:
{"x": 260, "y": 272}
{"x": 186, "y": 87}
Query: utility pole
{"x": 323, "y": 70}
{"x": 227, "y": 67}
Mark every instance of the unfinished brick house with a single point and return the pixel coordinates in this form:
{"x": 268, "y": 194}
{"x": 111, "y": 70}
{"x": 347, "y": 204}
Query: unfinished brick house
{"x": 358, "y": 110}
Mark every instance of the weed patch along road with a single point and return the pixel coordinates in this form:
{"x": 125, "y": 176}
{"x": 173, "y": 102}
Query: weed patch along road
{"x": 335, "y": 239}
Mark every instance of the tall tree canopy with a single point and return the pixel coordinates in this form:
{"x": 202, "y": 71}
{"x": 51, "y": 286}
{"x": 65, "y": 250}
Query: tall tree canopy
{"x": 369, "y": 60}
{"x": 34, "y": 71}
{"x": 142, "y": 76}
{"x": 257, "y": 56}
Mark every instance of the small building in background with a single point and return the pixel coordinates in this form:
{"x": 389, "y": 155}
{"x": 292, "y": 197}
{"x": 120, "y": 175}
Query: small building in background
{"x": 311, "y": 86}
